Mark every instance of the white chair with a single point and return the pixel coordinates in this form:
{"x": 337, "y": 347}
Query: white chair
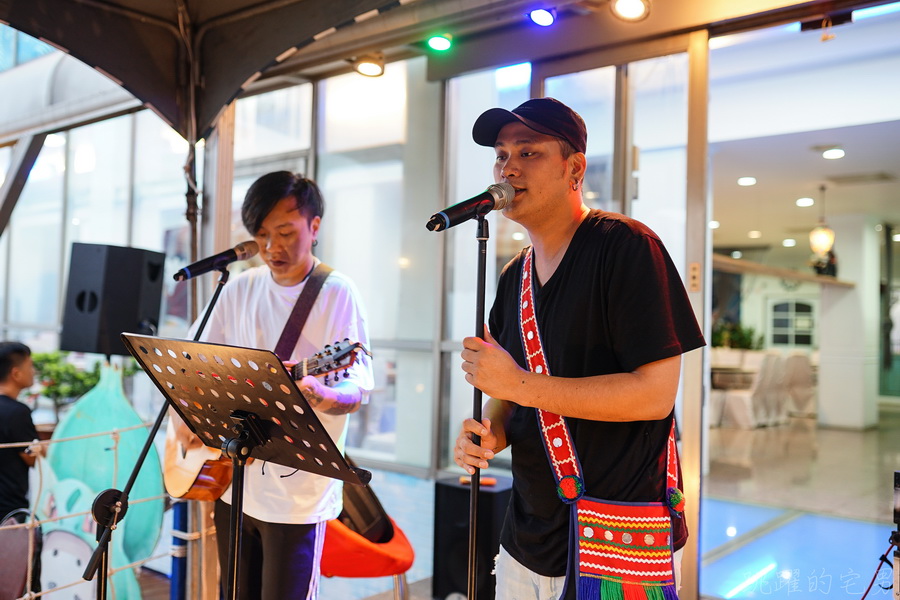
{"x": 801, "y": 389}
{"x": 746, "y": 409}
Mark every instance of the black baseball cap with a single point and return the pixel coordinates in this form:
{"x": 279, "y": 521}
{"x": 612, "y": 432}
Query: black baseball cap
{"x": 544, "y": 115}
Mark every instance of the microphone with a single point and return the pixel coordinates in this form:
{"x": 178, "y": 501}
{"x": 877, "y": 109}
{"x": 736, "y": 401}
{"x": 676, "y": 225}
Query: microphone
{"x": 496, "y": 197}
{"x": 242, "y": 251}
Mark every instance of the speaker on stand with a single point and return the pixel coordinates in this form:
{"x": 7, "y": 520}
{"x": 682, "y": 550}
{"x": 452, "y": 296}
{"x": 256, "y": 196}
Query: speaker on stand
{"x": 451, "y": 536}
{"x": 111, "y": 289}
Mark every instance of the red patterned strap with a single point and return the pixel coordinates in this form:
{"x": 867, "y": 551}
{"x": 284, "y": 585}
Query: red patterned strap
{"x": 554, "y": 431}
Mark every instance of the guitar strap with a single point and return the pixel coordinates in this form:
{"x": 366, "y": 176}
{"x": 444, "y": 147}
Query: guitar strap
{"x": 302, "y": 307}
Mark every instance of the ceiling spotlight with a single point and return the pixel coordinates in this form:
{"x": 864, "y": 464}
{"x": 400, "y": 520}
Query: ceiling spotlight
{"x": 754, "y": 234}
{"x": 440, "y": 42}
{"x": 746, "y": 181}
{"x": 714, "y": 224}
{"x": 370, "y": 65}
{"x": 789, "y": 242}
{"x": 631, "y": 10}
{"x": 804, "y": 202}
{"x": 833, "y": 153}
{"x": 543, "y": 16}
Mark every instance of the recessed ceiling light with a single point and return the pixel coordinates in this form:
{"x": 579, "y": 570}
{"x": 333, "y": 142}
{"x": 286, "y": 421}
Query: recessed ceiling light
{"x": 754, "y": 235}
{"x": 833, "y": 153}
{"x": 714, "y": 224}
{"x": 737, "y": 254}
{"x": 789, "y": 243}
{"x": 896, "y": 237}
{"x": 746, "y": 181}
{"x": 805, "y": 202}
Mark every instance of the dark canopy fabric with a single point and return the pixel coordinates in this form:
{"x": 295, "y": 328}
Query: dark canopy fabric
{"x": 186, "y": 59}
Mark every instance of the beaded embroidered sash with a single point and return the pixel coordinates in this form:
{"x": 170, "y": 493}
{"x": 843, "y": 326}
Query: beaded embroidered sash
{"x": 624, "y": 549}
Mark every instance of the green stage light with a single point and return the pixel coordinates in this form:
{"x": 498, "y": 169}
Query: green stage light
{"x": 441, "y": 42}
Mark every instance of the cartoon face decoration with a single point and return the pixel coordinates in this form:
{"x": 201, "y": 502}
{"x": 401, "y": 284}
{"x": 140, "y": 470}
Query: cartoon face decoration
{"x": 63, "y": 560}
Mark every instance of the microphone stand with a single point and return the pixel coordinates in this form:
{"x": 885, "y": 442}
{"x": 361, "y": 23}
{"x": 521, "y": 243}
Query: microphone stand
{"x": 482, "y": 234}
{"x": 110, "y": 505}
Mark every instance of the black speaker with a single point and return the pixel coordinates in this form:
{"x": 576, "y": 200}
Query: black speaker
{"x": 111, "y": 290}
{"x": 451, "y": 536}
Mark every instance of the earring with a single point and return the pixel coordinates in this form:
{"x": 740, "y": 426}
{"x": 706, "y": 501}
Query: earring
{"x": 315, "y": 243}
{"x": 574, "y": 186}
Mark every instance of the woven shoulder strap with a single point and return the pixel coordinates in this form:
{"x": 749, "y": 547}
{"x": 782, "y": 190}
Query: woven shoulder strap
{"x": 291, "y": 332}
{"x": 554, "y": 431}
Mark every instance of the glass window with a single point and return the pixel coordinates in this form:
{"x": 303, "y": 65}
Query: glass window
{"x": 36, "y": 243}
{"x": 379, "y": 169}
{"x": 274, "y": 123}
{"x": 792, "y": 323}
{"x": 99, "y": 157}
{"x": 471, "y": 170}
{"x": 159, "y": 221}
{"x": 29, "y": 48}
{"x": 592, "y": 94}
{"x": 7, "y": 47}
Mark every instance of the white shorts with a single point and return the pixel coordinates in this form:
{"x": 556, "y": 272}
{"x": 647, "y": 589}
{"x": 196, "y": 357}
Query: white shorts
{"x": 516, "y": 582}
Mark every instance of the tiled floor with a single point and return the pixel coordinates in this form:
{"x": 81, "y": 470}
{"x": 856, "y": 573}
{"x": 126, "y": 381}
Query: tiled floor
{"x": 789, "y": 512}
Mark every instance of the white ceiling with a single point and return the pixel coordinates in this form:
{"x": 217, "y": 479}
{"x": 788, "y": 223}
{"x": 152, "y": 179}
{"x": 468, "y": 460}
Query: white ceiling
{"x": 787, "y": 165}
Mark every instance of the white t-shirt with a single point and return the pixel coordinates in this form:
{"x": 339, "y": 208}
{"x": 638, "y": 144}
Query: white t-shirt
{"x": 251, "y": 311}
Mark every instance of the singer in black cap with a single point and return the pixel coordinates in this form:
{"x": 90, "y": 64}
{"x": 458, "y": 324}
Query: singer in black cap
{"x": 613, "y": 319}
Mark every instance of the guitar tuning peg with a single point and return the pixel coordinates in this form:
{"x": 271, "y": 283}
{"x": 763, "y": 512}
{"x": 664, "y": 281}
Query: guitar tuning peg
{"x": 346, "y": 374}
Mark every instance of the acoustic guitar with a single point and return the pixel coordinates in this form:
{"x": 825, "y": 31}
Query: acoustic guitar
{"x": 203, "y": 473}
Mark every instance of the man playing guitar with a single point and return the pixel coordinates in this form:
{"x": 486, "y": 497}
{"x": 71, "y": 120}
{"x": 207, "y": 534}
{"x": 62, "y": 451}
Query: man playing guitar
{"x": 285, "y": 511}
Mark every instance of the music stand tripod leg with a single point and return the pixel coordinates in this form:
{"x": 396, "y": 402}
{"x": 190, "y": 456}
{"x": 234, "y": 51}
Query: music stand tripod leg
{"x": 238, "y": 449}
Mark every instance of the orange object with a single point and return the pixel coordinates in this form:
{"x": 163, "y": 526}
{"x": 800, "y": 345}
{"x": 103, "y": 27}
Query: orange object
{"x": 466, "y": 480}
{"x": 348, "y": 554}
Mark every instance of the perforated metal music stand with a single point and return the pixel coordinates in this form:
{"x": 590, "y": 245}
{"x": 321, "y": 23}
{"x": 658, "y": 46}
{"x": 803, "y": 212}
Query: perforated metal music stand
{"x": 244, "y": 402}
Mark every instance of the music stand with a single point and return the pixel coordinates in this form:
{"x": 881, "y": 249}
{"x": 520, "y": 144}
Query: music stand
{"x": 244, "y": 402}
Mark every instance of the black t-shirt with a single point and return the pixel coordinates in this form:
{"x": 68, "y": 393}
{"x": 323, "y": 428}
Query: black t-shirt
{"x": 614, "y": 303}
{"x": 15, "y": 426}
